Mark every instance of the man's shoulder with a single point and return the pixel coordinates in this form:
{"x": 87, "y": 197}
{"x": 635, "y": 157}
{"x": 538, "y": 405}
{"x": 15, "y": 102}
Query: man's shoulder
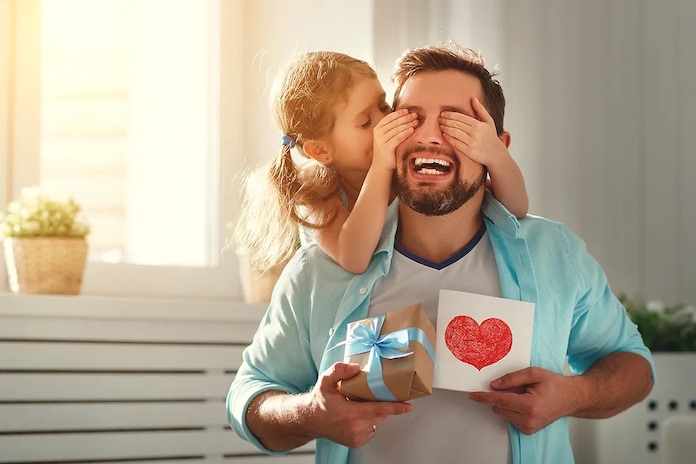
{"x": 529, "y": 227}
{"x": 545, "y": 231}
{"x": 543, "y": 235}
{"x": 532, "y": 223}
{"x": 532, "y": 227}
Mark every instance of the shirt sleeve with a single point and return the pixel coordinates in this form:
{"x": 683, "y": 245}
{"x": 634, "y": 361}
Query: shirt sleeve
{"x": 279, "y": 357}
{"x": 600, "y": 324}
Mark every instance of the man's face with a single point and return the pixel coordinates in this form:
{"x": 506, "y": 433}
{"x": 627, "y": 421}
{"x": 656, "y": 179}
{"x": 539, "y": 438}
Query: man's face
{"x": 431, "y": 178}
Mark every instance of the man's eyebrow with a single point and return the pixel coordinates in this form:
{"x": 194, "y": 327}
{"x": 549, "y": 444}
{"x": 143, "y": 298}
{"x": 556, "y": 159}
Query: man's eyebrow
{"x": 411, "y": 109}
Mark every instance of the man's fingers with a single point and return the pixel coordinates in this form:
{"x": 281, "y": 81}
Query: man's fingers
{"x": 500, "y": 400}
{"x": 515, "y": 379}
{"x": 341, "y": 371}
{"x": 380, "y": 410}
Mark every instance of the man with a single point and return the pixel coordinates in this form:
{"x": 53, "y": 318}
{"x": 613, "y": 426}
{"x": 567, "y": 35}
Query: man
{"x": 451, "y": 234}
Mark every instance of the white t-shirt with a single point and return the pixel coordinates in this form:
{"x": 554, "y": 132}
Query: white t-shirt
{"x": 445, "y": 427}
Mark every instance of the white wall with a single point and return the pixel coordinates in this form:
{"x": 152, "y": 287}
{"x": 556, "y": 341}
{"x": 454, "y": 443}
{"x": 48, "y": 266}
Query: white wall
{"x": 277, "y": 30}
{"x": 600, "y": 105}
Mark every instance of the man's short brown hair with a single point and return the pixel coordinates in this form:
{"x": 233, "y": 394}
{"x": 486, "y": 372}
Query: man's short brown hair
{"x": 446, "y": 56}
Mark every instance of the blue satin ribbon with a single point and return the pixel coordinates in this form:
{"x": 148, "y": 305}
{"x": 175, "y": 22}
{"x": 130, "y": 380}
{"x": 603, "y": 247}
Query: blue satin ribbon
{"x": 362, "y": 339}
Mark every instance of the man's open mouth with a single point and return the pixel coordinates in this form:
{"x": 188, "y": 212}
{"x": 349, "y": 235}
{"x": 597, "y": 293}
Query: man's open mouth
{"x": 431, "y": 166}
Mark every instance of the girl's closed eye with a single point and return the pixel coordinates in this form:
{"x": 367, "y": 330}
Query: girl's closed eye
{"x": 367, "y": 124}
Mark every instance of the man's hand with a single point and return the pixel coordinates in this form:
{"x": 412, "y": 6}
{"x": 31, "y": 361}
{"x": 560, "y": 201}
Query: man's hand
{"x": 393, "y": 129}
{"x": 540, "y": 398}
{"x": 475, "y": 138}
{"x": 283, "y": 422}
{"x": 613, "y": 383}
{"x": 349, "y": 423}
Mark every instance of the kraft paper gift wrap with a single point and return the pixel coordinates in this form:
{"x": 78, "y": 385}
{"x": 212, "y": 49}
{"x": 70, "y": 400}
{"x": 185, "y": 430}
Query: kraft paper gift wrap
{"x": 396, "y": 353}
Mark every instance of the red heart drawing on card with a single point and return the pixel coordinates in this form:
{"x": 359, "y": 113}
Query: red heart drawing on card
{"x": 478, "y": 345}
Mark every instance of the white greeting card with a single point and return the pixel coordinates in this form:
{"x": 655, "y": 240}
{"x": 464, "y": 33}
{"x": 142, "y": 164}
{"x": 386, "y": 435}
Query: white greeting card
{"x": 480, "y": 338}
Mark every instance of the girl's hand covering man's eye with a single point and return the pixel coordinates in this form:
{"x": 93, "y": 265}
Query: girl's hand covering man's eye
{"x": 393, "y": 129}
{"x": 476, "y": 138}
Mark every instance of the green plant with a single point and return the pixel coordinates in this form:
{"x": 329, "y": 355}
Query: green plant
{"x": 663, "y": 328}
{"x": 36, "y": 214}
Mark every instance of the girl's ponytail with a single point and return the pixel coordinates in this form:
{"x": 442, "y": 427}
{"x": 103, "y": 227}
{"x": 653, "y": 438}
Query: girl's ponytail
{"x": 265, "y": 233}
{"x": 278, "y": 199}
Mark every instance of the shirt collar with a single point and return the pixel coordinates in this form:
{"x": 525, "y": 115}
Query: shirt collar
{"x": 499, "y": 215}
{"x": 491, "y": 208}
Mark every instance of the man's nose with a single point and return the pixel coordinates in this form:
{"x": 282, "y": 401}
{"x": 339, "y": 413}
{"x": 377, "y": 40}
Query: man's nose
{"x": 428, "y": 132}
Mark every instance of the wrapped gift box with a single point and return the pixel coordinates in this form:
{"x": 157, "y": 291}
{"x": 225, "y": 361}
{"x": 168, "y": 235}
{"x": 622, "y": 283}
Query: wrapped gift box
{"x": 396, "y": 353}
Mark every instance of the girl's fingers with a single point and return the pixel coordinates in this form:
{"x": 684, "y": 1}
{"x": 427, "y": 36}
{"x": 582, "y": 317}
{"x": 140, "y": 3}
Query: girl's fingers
{"x": 456, "y": 134}
{"x": 454, "y": 119}
{"x": 395, "y": 119}
{"x": 401, "y": 136}
{"x": 396, "y": 130}
{"x": 405, "y": 128}
{"x": 391, "y": 117}
{"x": 481, "y": 111}
{"x": 457, "y": 144}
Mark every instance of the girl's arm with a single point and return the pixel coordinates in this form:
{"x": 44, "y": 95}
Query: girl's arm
{"x": 507, "y": 184}
{"x": 352, "y": 237}
{"x": 478, "y": 139}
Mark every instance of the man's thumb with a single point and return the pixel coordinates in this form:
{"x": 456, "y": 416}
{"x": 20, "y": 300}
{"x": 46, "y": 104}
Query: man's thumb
{"x": 342, "y": 371}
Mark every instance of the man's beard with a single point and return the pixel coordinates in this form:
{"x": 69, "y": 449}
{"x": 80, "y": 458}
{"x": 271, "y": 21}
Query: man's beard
{"x": 436, "y": 202}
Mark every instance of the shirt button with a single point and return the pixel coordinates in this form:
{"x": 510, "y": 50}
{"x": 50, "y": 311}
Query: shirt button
{"x": 331, "y": 331}
{"x": 363, "y": 290}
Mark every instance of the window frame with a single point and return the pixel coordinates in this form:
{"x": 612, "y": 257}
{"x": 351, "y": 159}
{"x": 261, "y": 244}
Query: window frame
{"x": 19, "y": 154}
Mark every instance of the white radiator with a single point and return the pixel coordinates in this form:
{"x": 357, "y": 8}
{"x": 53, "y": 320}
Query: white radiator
{"x": 103, "y": 380}
{"x": 636, "y": 436}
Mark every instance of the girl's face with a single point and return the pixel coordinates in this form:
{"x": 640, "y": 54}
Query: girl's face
{"x": 350, "y": 140}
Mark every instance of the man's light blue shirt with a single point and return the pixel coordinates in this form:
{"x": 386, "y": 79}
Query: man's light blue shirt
{"x": 577, "y": 317}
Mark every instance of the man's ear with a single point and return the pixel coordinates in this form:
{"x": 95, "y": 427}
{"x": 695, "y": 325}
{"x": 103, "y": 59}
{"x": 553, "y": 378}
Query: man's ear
{"x": 506, "y": 138}
{"x": 318, "y": 151}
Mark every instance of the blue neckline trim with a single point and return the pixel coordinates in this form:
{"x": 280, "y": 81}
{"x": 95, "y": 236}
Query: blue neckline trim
{"x": 456, "y": 257}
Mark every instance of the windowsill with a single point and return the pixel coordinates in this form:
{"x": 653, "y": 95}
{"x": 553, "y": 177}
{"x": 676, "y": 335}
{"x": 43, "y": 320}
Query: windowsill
{"x": 131, "y": 308}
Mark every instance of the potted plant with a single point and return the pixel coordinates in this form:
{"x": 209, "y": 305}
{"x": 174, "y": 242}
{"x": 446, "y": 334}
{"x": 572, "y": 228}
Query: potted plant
{"x": 664, "y": 329}
{"x": 45, "y": 244}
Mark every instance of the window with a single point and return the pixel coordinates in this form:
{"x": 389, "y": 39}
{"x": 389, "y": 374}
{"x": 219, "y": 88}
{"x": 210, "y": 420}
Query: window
{"x": 117, "y": 104}
{"x": 125, "y": 99}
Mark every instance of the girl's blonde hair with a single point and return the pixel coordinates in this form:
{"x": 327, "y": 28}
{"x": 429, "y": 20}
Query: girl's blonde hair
{"x": 280, "y": 198}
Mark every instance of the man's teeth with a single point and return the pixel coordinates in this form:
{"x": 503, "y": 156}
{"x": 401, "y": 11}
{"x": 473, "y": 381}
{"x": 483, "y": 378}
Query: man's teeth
{"x": 432, "y": 166}
{"x": 433, "y": 172}
{"x": 422, "y": 161}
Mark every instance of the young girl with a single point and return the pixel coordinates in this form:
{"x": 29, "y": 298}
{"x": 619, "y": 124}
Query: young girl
{"x": 332, "y": 108}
